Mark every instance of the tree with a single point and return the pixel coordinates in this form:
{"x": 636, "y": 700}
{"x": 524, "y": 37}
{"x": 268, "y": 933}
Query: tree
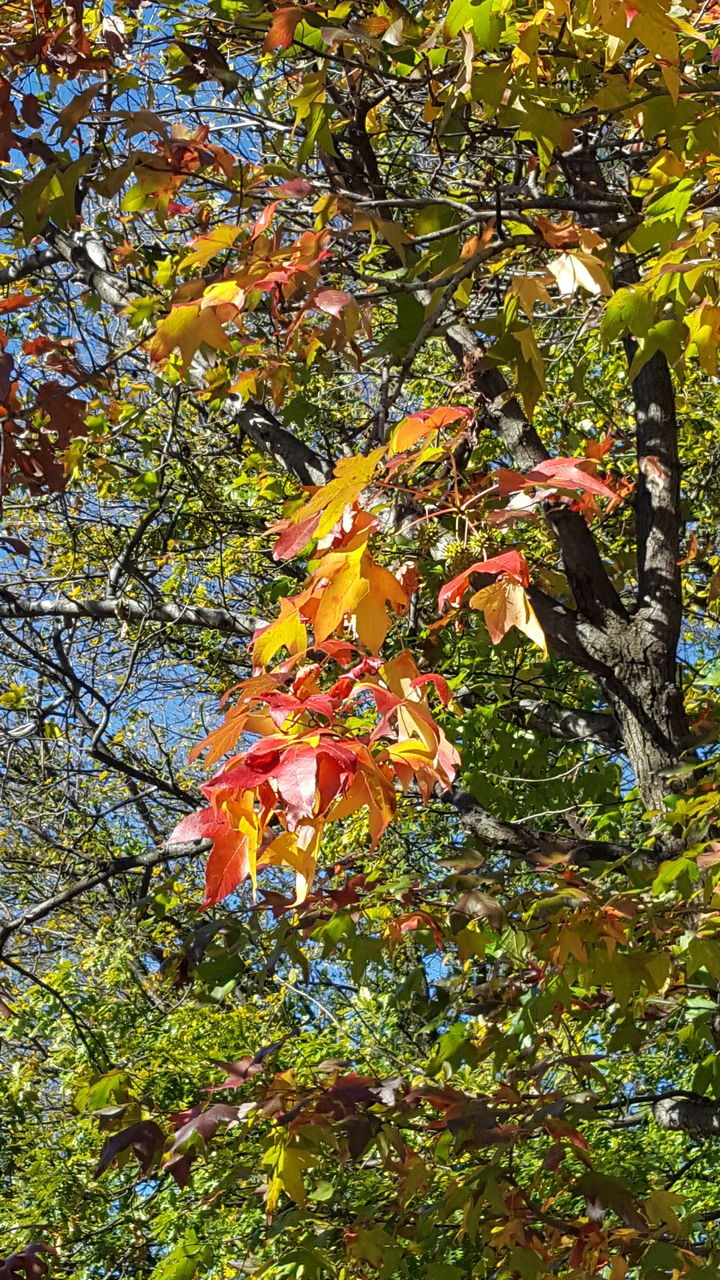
{"x": 358, "y": 369}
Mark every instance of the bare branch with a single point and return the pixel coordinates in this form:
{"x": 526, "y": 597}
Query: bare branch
{"x": 32, "y": 264}
{"x": 263, "y": 428}
{"x": 118, "y": 867}
{"x": 572, "y": 724}
{"x": 131, "y": 611}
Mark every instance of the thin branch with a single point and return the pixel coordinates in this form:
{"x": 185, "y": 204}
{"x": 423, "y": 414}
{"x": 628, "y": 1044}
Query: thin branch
{"x": 104, "y": 874}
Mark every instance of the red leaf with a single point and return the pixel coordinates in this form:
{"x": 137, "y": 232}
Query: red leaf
{"x": 511, "y": 563}
{"x": 17, "y": 300}
{"x": 263, "y": 220}
{"x": 566, "y": 473}
{"x": 710, "y": 855}
{"x": 296, "y": 536}
{"x": 294, "y": 189}
{"x": 442, "y": 688}
{"x": 295, "y": 777}
{"x": 228, "y": 864}
{"x": 146, "y": 1140}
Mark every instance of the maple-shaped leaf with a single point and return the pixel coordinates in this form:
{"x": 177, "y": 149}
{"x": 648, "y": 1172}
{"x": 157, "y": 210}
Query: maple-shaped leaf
{"x": 570, "y": 475}
{"x": 228, "y": 864}
{"x": 422, "y": 425}
{"x": 351, "y": 583}
{"x": 75, "y": 111}
{"x": 38, "y": 463}
{"x": 295, "y": 778}
{"x": 505, "y": 604}
{"x": 321, "y": 512}
{"x": 145, "y": 1139}
{"x": 26, "y": 1262}
{"x": 511, "y": 564}
{"x": 206, "y": 247}
{"x": 222, "y": 740}
{"x": 573, "y": 271}
{"x": 186, "y": 327}
{"x": 288, "y": 631}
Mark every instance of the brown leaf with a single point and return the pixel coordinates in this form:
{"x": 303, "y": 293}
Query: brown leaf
{"x": 145, "y": 1139}
{"x": 559, "y": 235}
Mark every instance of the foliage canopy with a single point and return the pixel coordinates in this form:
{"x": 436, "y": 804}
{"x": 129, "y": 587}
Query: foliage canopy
{"x": 359, "y": 620}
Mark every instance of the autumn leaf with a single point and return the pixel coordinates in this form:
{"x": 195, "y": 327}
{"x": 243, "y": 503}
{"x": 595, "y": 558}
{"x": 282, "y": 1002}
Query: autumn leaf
{"x": 288, "y": 631}
{"x": 559, "y": 235}
{"x": 229, "y": 861}
{"x": 282, "y": 28}
{"x": 511, "y": 564}
{"x": 573, "y": 271}
{"x": 16, "y": 300}
{"x": 425, "y": 423}
{"x": 317, "y": 517}
{"x": 505, "y": 604}
{"x": 186, "y": 328}
{"x": 206, "y": 247}
{"x": 75, "y": 111}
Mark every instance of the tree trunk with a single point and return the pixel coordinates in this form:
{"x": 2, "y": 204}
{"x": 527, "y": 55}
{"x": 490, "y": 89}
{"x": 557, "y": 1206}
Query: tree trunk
{"x": 648, "y": 705}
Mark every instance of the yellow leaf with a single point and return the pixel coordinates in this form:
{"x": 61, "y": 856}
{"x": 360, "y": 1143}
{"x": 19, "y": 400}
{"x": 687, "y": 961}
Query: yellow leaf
{"x": 345, "y": 590}
{"x": 505, "y": 604}
{"x": 186, "y": 327}
{"x": 573, "y": 271}
{"x": 421, "y": 425}
{"x": 704, "y": 329}
{"x": 660, "y": 1208}
{"x": 75, "y": 111}
{"x": 287, "y": 631}
{"x": 529, "y": 290}
{"x": 205, "y": 247}
{"x": 352, "y": 475}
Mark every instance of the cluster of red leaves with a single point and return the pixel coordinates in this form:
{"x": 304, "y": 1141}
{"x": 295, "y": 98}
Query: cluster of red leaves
{"x": 54, "y": 36}
{"x": 310, "y": 766}
{"x": 270, "y": 804}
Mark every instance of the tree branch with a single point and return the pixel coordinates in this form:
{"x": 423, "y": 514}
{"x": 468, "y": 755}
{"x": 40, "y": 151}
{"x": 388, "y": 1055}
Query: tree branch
{"x": 132, "y": 611}
{"x": 32, "y": 264}
{"x": 657, "y": 499}
{"x": 118, "y": 867}
{"x": 692, "y": 1114}
{"x": 263, "y": 428}
{"x": 532, "y": 846}
{"x": 572, "y": 724}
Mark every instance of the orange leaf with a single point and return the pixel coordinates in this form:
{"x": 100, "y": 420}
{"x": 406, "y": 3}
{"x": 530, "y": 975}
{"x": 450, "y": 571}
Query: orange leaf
{"x": 282, "y": 28}
{"x": 505, "y": 604}
{"x": 17, "y": 300}
{"x": 559, "y": 235}
{"x": 423, "y": 424}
